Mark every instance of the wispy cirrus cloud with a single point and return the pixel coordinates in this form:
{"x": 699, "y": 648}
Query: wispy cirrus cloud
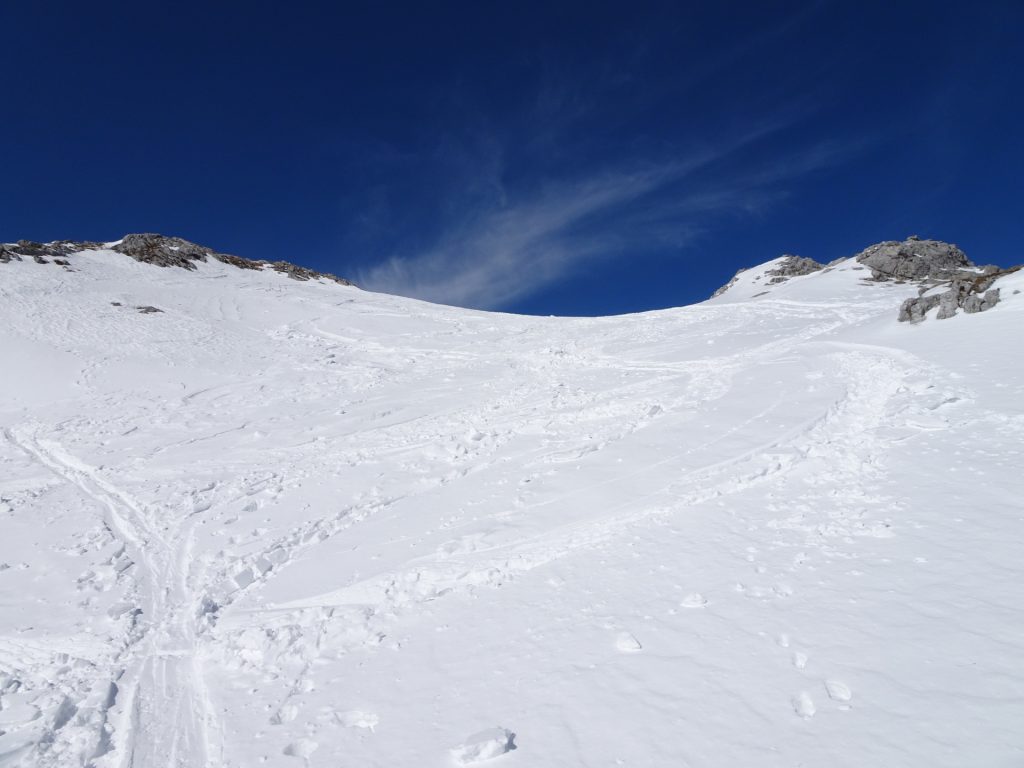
{"x": 610, "y": 161}
{"x": 502, "y": 252}
{"x": 504, "y": 247}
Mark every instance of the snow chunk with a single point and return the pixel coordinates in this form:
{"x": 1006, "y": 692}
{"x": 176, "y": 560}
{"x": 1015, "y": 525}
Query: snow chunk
{"x": 626, "y": 643}
{"x": 693, "y": 600}
{"x": 838, "y": 690}
{"x": 358, "y": 719}
{"x": 803, "y": 705}
{"x": 17, "y": 714}
{"x": 302, "y": 748}
{"x": 484, "y": 745}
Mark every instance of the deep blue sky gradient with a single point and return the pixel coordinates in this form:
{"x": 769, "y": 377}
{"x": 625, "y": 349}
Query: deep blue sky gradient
{"x": 547, "y": 158}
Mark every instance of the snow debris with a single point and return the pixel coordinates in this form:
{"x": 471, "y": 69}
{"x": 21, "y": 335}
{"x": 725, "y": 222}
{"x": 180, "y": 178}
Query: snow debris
{"x": 484, "y": 745}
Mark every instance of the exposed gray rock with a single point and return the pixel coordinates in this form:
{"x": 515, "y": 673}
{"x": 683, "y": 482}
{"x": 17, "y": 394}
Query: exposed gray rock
{"x": 976, "y": 303}
{"x": 969, "y": 291}
{"x": 295, "y": 272}
{"x": 176, "y": 252}
{"x": 793, "y": 266}
{"x": 934, "y": 263}
{"x": 948, "y": 303}
{"x": 988, "y": 275}
{"x": 728, "y": 285}
{"x": 913, "y": 310}
{"x": 930, "y": 263}
{"x": 165, "y": 251}
{"x": 39, "y": 251}
{"x": 148, "y": 310}
{"x": 159, "y": 250}
{"x": 913, "y": 259}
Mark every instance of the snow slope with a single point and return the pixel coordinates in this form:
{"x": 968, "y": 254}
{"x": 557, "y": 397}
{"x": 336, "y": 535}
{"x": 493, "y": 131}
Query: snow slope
{"x": 298, "y": 524}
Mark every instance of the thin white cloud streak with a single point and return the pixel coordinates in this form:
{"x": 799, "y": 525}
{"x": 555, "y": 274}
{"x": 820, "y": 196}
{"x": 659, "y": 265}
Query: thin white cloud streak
{"x": 505, "y": 252}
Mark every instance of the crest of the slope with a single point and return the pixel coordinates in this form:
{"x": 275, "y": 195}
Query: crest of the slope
{"x": 149, "y": 248}
{"x": 929, "y": 264}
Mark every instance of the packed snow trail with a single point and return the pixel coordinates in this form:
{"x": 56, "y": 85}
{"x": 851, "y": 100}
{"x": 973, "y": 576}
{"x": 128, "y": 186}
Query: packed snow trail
{"x": 286, "y": 523}
{"x": 163, "y": 701}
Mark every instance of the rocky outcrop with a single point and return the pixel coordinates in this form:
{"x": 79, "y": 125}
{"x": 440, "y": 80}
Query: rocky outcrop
{"x": 935, "y": 265}
{"x": 735, "y": 278}
{"x": 159, "y": 250}
{"x": 913, "y": 259}
{"x": 40, "y": 251}
{"x": 173, "y": 252}
{"x": 948, "y": 280}
{"x": 789, "y": 266}
{"x": 969, "y": 292}
{"x": 793, "y": 266}
{"x": 176, "y": 252}
{"x": 295, "y": 272}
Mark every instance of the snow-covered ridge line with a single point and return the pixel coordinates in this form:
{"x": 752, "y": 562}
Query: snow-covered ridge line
{"x": 159, "y": 250}
{"x": 928, "y": 264}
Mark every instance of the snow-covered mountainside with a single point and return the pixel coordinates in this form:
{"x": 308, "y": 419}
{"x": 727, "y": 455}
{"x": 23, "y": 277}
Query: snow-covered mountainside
{"x": 274, "y": 522}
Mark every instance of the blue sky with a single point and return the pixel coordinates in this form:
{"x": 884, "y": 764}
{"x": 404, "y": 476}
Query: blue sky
{"x": 549, "y": 158}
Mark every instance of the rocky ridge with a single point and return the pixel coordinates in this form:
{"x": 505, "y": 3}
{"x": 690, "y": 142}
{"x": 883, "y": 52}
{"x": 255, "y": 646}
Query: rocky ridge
{"x": 947, "y": 279}
{"x": 789, "y": 266}
{"x": 914, "y": 259}
{"x": 793, "y": 266}
{"x": 159, "y": 250}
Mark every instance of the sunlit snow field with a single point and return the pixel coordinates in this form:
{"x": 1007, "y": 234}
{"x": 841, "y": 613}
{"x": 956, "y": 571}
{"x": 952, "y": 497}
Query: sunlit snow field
{"x": 298, "y": 524}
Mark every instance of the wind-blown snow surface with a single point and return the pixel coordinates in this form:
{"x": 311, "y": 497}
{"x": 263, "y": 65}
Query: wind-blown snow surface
{"x": 299, "y": 524}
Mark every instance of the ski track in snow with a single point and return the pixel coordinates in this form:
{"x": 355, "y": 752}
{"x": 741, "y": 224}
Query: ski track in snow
{"x": 163, "y": 708}
{"x": 874, "y": 379}
{"x": 291, "y": 485}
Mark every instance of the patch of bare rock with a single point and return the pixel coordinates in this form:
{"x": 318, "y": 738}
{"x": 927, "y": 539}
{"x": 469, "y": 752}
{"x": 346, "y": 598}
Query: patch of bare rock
{"x": 947, "y": 278}
{"x": 159, "y": 250}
